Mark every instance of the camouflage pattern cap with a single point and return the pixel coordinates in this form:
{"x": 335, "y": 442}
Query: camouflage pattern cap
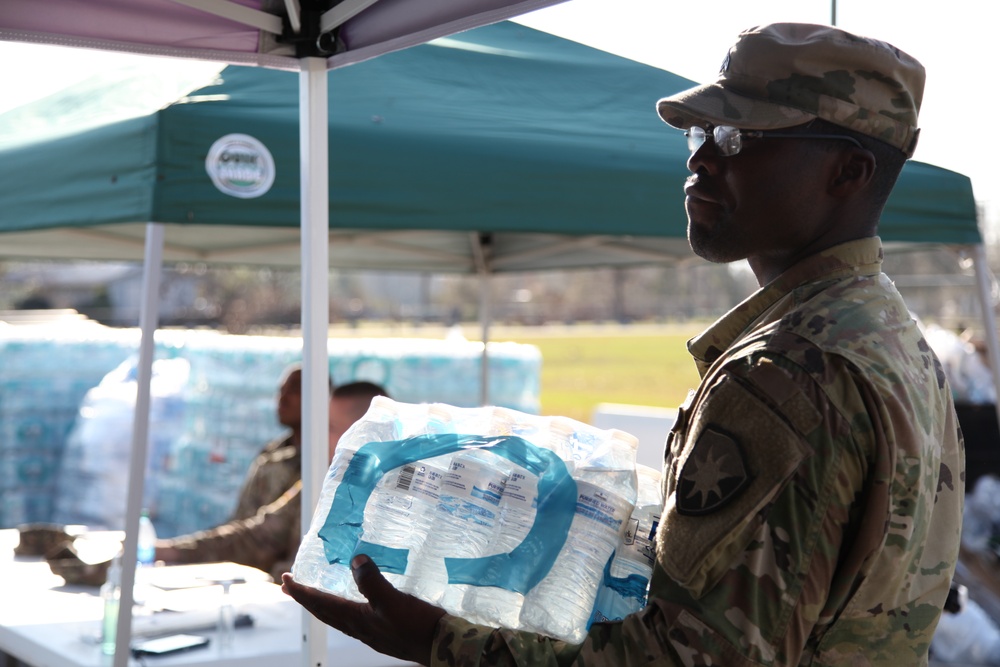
{"x": 786, "y": 74}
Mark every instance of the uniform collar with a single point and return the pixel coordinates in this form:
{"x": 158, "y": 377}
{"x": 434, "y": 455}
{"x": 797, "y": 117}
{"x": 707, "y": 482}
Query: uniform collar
{"x": 854, "y": 258}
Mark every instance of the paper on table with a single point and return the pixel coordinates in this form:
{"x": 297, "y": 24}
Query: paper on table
{"x": 173, "y": 577}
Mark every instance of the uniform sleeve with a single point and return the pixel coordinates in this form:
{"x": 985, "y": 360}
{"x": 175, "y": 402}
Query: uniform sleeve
{"x": 459, "y": 642}
{"x": 272, "y": 472}
{"x": 639, "y": 639}
{"x": 763, "y": 498}
{"x": 248, "y": 500}
{"x": 262, "y": 541}
{"x": 761, "y": 493}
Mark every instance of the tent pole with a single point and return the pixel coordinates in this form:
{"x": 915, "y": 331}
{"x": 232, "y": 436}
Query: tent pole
{"x": 485, "y": 318}
{"x": 984, "y": 286}
{"x": 148, "y": 319}
{"x": 315, "y": 186}
{"x": 478, "y": 244}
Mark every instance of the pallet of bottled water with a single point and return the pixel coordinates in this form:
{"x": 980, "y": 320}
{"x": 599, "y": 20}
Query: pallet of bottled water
{"x": 497, "y": 516}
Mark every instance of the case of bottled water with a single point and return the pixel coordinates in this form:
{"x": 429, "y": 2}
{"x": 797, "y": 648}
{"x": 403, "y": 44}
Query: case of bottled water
{"x": 497, "y": 516}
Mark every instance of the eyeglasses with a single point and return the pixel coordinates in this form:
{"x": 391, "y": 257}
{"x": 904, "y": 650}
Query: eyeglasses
{"x": 729, "y": 140}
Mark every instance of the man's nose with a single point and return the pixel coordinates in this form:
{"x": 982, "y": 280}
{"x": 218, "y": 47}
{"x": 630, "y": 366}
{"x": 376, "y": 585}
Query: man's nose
{"x": 706, "y": 157}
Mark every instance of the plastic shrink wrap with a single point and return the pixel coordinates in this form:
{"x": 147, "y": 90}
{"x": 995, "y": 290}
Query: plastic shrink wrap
{"x": 498, "y": 516}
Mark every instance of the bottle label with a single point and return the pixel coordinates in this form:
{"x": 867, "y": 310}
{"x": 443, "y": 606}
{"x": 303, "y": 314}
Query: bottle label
{"x": 521, "y": 490}
{"x": 639, "y": 541}
{"x": 471, "y": 491}
{"x": 405, "y": 478}
{"x": 602, "y": 506}
{"x": 427, "y": 482}
{"x": 474, "y": 480}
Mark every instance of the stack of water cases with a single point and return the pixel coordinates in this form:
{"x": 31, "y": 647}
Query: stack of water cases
{"x": 498, "y": 516}
{"x": 45, "y": 373}
{"x": 229, "y": 413}
{"x": 67, "y": 398}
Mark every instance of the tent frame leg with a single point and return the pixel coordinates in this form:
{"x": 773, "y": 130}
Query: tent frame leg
{"x": 315, "y": 184}
{"x": 149, "y": 316}
{"x": 984, "y": 287}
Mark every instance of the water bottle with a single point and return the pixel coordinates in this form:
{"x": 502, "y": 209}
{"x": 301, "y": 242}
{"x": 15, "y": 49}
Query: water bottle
{"x": 145, "y": 555}
{"x": 492, "y": 605}
{"x": 146, "y": 548}
{"x": 400, "y": 514}
{"x": 311, "y": 567}
{"x": 400, "y": 511}
{"x": 391, "y": 509}
{"x": 561, "y": 605}
{"x": 110, "y": 596}
{"x": 412, "y": 513}
{"x": 626, "y": 582}
{"x": 465, "y": 522}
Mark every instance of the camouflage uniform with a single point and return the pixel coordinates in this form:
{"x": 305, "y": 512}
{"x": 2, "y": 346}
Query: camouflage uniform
{"x": 276, "y": 468}
{"x": 263, "y": 531}
{"x": 813, "y": 486}
{"x": 267, "y": 541}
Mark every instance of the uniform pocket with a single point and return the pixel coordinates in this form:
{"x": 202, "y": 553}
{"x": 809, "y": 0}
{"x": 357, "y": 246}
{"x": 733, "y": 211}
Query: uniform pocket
{"x": 737, "y": 456}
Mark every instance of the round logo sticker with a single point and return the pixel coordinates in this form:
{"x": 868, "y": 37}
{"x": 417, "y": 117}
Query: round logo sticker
{"x": 240, "y": 166}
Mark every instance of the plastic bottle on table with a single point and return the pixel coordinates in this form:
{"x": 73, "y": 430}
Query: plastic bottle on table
{"x": 146, "y": 548}
{"x": 110, "y": 596}
{"x": 145, "y": 555}
{"x": 969, "y": 637}
{"x": 561, "y": 604}
{"x": 627, "y": 582}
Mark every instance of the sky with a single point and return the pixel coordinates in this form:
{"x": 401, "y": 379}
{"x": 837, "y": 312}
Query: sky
{"x": 954, "y": 40}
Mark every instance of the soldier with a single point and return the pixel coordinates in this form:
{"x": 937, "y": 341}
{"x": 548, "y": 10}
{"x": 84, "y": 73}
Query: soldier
{"x": 278, "y": 466}
{"x": 813, "y": 482}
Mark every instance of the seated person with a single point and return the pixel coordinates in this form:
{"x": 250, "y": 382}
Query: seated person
{"x": 279, "y": 464}
{"x": 269, "y": 539}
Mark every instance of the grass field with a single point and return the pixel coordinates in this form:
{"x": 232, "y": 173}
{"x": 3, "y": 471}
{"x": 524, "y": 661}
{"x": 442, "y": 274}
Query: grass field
{"x": 584, "y": 365}
{"x": 644, "y": 367}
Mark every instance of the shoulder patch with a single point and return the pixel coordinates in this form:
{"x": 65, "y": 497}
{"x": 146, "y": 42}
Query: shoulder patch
{"x": 714, "y": 474}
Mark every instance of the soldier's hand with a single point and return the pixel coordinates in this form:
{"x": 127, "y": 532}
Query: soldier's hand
{"x": 391, "y": 622}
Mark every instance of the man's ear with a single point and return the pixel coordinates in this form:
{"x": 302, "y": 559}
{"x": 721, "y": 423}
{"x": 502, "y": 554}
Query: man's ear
{"x": 852, "y": 172}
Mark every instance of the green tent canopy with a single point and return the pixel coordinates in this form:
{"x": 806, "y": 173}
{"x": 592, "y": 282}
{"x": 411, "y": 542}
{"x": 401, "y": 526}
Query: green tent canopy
{"x": 499, "y": 149}
{"x": 502, "y": 148}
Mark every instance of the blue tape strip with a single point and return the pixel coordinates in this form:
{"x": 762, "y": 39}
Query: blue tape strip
{"x": 519, "y": 570}
{"x": 632, "y": 586}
